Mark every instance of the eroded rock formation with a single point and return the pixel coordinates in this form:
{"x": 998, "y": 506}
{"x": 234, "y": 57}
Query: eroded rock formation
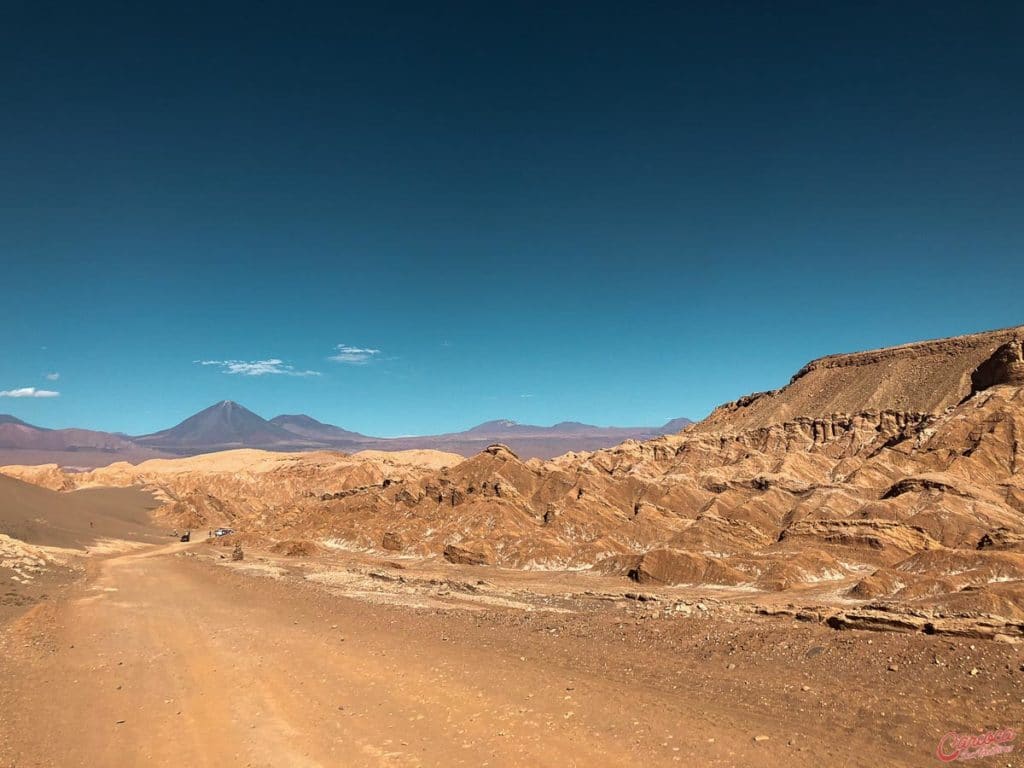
{"x": 889, "y": 475}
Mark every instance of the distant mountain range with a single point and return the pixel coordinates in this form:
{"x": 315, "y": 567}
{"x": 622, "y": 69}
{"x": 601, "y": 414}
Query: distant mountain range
{"x": 228, "y": 425}
{"x": 16, "y": 434}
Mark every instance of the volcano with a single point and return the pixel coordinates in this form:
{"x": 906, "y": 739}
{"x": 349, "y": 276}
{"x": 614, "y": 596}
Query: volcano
{"x": 222, "y": 426}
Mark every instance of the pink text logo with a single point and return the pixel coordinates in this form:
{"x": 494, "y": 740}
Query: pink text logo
{"x": 970, "y": 746}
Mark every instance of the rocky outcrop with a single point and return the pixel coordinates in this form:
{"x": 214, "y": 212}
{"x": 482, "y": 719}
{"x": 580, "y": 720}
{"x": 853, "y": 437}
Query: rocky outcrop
{"x": 666, "y": 566}
{"x": 294, "y": 548}
{"x": 1006, "y": 366}
{"x": 454, "y": 553}
{"x": 1002, "y": 538}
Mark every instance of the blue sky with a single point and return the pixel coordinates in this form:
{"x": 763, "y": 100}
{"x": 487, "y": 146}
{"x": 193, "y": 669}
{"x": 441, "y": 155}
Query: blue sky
{"x": 615, "y": 214}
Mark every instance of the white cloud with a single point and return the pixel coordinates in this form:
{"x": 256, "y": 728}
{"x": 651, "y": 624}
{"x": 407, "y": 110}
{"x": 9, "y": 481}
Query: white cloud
{"x": 271, "y": 367}
{"x": 28, "y": 392}
{"x": 354, "y": 355}
{"x": 51, "y": 376}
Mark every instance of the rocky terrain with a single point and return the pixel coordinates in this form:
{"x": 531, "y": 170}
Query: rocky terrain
{"x": 184, "y": 655}
{"x": 911, "y": 495}
{"x": 699, "y": 598}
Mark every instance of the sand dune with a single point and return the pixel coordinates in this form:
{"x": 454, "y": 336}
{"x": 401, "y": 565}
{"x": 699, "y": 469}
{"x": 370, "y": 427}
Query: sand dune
{"x": 41, "y": 516}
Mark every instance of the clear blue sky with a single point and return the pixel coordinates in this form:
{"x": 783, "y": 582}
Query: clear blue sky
{"x": 615, "y": 213}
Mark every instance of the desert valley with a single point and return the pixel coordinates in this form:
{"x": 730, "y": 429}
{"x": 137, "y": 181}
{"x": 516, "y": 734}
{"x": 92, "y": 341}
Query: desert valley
{"x": 511, "y": 385}
{"x": 845, "y": 551}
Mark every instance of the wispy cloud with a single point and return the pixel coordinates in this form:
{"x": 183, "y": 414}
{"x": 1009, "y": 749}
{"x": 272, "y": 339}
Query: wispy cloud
{"x": 354, "y": 355}
{"x": 271, "y": 367}
{"x": 51, "y": 376}
{"x": 28, "y": 392}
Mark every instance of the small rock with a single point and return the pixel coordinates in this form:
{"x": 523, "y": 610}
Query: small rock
{"x": 761, "y": 738}
{"x": 975, "y": 671}
{"x": 894, "y": 667}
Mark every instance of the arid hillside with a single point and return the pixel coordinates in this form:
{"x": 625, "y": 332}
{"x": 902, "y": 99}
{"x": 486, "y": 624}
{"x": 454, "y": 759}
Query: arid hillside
{"x": 41, "y": 530}
{"x": 925, "y": 377}
{"x": 894, "y": 476}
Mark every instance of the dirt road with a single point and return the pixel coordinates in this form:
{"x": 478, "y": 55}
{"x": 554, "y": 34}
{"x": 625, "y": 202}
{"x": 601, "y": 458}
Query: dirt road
{"x": 160, "y": 659}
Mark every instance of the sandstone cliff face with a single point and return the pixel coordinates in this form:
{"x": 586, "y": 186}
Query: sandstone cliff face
{"x": 900, "y": 478}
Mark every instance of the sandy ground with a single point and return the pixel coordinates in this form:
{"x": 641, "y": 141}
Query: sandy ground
{"x": 174, "y": 656}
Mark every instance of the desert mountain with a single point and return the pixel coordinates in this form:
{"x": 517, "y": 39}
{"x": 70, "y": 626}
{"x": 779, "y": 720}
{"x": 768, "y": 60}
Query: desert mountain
{"x": 309, "y": 428}
{"x": 17, "y": 434}
{"x": 893, "y": 477}
{"x": 228, "y": 425}
{"x": 673, "y": 426}
{"x": 507, "y": 428}
{"x": 528, "y": 440}
{"x": 24, "y": 442}
{"x": 222, "y": 426}
{"x": 6, "y": 418}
